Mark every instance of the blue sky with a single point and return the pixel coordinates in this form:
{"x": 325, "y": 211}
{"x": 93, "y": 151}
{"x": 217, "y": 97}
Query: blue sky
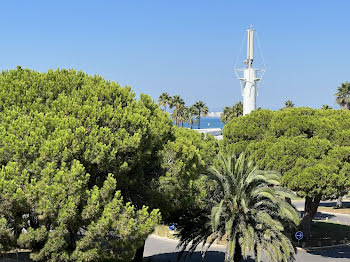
{"x": 186, "y": 47}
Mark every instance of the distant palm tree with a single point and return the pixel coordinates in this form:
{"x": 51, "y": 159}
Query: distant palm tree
{"x": 201, "y": 110}
{"x": 176, "y": 101}
{"x": 231, "y": 112}
{"x": 181, "y": 114}
{"x": 238, "y": 109}
{"x": 190, "y": 113}
{"x": 248, "y": 207}
{"x": 326, "y": 107}
{"x": 288, "y": 104}
{"x": 343, "y": 95}
{"x": 164, "y": 99}
{"x": 227, "y": 114}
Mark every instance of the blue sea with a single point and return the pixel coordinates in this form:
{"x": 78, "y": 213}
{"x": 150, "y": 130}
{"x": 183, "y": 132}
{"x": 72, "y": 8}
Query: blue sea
{"x": 208, "y": 122}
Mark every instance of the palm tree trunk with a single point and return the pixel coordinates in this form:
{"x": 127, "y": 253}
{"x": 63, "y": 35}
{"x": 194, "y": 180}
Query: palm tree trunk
{"x": 191, "y": 124}
{"x": 237, "y": 257}
{"x": 176, "y": 115}
{"x": 311, "y": 205}
{"x": 199, "y": 121}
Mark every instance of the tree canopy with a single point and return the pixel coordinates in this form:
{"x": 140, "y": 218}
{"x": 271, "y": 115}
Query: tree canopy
{"x": 77, "y": 155}
{"x": 311, "y": 148}
{"x": 184, "y": 159}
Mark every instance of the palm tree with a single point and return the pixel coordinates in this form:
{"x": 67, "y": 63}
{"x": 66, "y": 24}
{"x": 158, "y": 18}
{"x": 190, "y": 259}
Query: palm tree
{"x": 288, "y": 104}
{"x": 343, "y": 95}
{"x": 181, "y": 114}
{"x": 176, "y": 101}
{"x": 164, "y": 99}
{"x": 231, "y": 112}
{"x": 238, "y": 109}
{"x": 226, "y": 114}
{"x": 201, "y": 110}
{"x": 248, "y": 206}
{"x": 326, "y": 107}
{"x": 190, "y": 113}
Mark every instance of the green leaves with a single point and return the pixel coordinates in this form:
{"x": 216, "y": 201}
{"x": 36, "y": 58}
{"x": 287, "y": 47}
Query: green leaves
{"x": 299, "y": 142}
{"x": 183, "y": 160}
{"x": 230, "y": 113}
{"x": 248, "y": 206}
{"x": 70, "y": 146}
{"x": 343, "y": 95}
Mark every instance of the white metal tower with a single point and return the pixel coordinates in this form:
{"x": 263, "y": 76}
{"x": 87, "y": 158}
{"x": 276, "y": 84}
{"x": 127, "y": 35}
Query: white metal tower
{"x": 249, "y": 79}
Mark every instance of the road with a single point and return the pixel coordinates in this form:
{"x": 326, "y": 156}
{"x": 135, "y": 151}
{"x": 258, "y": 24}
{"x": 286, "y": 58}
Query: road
{"x": 164, "y": 250}
{"x": 338, "y": 218}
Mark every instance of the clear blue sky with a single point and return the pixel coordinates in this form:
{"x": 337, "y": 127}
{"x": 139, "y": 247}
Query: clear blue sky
{"x": 186, "y": 47}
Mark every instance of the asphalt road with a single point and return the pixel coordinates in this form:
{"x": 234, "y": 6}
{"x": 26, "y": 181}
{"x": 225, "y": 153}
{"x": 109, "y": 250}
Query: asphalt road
{"x": 164, "y": 250}
{"x": 338, "y": 218}
{"x": 160, "y": 249}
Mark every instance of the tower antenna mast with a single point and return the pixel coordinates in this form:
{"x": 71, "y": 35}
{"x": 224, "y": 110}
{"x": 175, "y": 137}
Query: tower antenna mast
{"x": 249, "y": 81}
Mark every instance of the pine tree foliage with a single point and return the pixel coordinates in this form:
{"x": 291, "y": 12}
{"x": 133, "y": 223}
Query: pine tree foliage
{"x": 310, "y": 147}
{"x": 77, "y": 156}
{"x": 182, "y": 187}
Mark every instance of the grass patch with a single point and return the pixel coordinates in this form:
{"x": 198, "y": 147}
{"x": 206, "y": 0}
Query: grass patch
{"x": 163, "y": 231}
{"x": 327, "y": 234}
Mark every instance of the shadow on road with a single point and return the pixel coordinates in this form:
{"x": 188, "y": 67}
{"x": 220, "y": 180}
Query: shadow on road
{"x": 212, "y": 256}
{"x": 340, "y": 252}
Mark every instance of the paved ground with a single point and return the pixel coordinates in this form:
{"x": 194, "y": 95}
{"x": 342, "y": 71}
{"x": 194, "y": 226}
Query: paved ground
{"x": 164, "y": 250}
{"x": 338, "y": 218}
{"x": 160, "y": 249}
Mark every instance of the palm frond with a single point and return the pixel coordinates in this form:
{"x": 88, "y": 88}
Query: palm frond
{"x": 248, "y": 206}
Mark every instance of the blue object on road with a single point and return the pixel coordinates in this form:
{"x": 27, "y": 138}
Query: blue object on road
{"x": 299, "y": 235}
{"x": 172, "y": 227}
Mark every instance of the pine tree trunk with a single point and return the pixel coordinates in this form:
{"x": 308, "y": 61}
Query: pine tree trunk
{"x": 339, "y": 202}
{"x": 237, "y": 257}
{"x": 311, "y": 205}
{"x": 139, "y": 253}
